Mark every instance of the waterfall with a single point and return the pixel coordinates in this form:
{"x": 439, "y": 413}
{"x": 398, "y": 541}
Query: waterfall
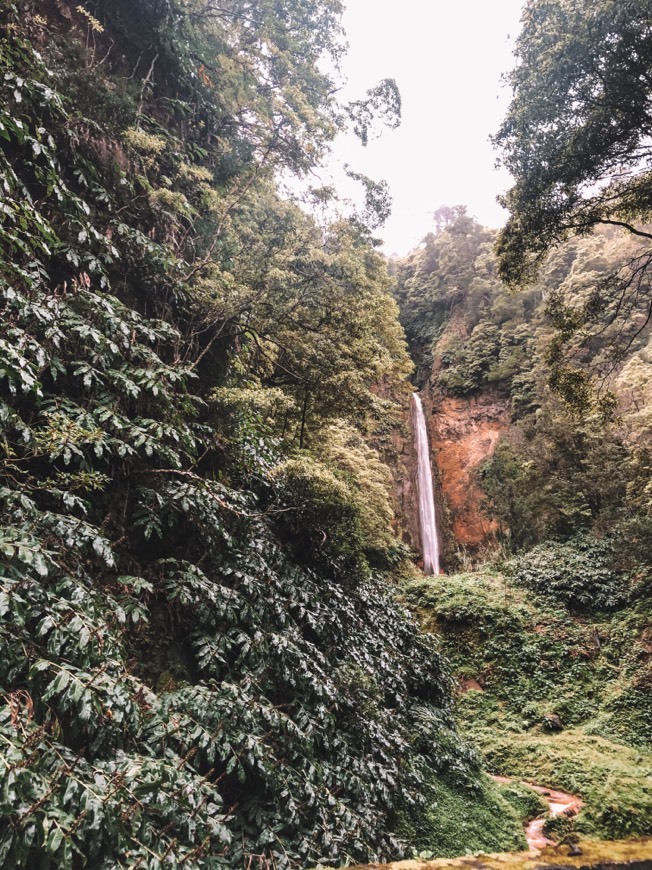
{"x": 427, "y": 518}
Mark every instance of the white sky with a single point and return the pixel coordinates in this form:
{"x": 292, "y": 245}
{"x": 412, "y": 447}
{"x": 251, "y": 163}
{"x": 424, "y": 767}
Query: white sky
{"x": 447, "y": 59}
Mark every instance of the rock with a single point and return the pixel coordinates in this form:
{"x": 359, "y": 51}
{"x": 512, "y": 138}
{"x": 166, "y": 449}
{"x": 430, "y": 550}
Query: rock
{"x": 552, "y": 722}
{"x": 463, "y": 435}
{"x": 471, "y": 684}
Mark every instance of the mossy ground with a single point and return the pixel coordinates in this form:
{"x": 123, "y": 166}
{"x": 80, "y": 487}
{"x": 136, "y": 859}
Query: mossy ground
{"x": 596, "y": 855}
{"x": 528, "y": 803}
{"x": 550, "y": 696}
{"x": 614, "y": 781}
{"x": 458, "y": 823}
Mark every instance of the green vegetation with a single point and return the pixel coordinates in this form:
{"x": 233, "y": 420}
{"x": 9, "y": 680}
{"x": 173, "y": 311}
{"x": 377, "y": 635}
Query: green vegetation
{"x": 203, "y": 663}
{"x": 528, "y": 803}
{"x": 613, "y": 780}
{"x": 452, "y": 826}
{"x": 575, "y": 134}
{"x": 204, "y": 659}
{"x": 582, "y": 573}
{"x": 561, "y": 470}
{"x": 558, "y": 700}
{"x": 554, "y": 651}
{"x": 575, "y": 141}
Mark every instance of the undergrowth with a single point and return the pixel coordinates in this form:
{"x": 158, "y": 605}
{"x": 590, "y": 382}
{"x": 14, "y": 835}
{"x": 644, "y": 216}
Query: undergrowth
{"x": 200, "y": 666}
{"x": 548, "y": 695}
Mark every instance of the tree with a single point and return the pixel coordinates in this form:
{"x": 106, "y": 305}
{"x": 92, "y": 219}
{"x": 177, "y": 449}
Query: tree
{"x": 199, "y": 665}
{"x": 576, "y": 136}
{"x": 577, "y": 142}
{"x": 312, "y": 312}
{"x": 438, "y": 274}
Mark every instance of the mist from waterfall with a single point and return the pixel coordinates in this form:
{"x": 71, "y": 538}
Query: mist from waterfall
{"x": 425, "y": 494}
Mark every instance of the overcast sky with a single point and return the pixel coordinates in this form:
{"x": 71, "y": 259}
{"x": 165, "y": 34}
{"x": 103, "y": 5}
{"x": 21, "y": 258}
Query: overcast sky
{"x": 447, "y": 59}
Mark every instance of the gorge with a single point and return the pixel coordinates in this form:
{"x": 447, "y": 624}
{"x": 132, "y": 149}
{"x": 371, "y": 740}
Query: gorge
{"x": 218, "y": 648}
{"x": 535, "y": 609}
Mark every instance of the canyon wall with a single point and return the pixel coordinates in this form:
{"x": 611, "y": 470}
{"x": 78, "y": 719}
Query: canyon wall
{"x": 403, "y": 464}
{"x": 463, "y": 434}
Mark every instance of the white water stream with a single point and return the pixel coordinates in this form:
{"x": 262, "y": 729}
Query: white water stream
{"x": 427, "y": 517}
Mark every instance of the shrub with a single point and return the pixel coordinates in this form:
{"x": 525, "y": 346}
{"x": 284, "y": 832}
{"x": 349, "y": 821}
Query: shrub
{"x": 581, "y": 573}
{"x": 528, "y": 803}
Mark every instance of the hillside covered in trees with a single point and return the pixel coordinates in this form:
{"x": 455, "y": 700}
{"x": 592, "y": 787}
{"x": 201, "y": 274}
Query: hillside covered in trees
{"x": 575, "y": 459}
{"x": 202, "y": 659}
{"x": 542, "y": 332}
{"x": 216, "y": 646}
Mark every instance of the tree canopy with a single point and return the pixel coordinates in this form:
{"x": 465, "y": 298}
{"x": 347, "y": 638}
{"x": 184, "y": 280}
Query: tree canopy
{"x": 576, "y": 135}
{"x": 558, "y": 470}
{"x": 576, "y": 139}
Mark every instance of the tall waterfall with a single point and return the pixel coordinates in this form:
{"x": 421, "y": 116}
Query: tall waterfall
{"x": 427, "y": 518}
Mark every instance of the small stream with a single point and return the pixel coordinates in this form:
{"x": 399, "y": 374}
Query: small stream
{"x": 560, "y": 804}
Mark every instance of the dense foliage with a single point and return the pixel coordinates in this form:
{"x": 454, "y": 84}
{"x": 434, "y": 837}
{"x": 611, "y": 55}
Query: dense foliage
{"x": 575, "y": 134}
{"x": 576, "y": 141}
{"x": 552, "y": 654}
{"x": 548, "y": 697}
{"x": 544, "y": 327}
{"x": 199, "y": 664}
{"x": 203, "y": 659}
{"x": 582, "y": 573}
{"x": 562, "y": 467}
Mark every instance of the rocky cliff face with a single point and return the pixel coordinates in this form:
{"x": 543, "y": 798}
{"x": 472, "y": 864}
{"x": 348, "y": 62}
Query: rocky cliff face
{"x": 463, "y": 434}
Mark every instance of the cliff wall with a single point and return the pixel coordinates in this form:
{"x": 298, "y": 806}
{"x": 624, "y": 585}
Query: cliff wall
{"x": 463, "y": 434}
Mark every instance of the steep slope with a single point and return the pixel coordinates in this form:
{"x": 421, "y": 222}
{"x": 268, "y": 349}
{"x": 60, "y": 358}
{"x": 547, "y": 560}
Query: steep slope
{"x": 542, "y": 441}
{"x": 494, "y": 363}
{"x": 464, "y": 434}
{"x": 203, "y": 661}
{"x": 551, "y": 696}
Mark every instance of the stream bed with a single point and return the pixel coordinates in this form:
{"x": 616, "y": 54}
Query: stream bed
{"x": 560, "y": 804}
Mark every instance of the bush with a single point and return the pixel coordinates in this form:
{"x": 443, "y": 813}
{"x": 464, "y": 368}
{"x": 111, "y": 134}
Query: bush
{"x": 528, "y": 803}
{"x": 580, "y": 573}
